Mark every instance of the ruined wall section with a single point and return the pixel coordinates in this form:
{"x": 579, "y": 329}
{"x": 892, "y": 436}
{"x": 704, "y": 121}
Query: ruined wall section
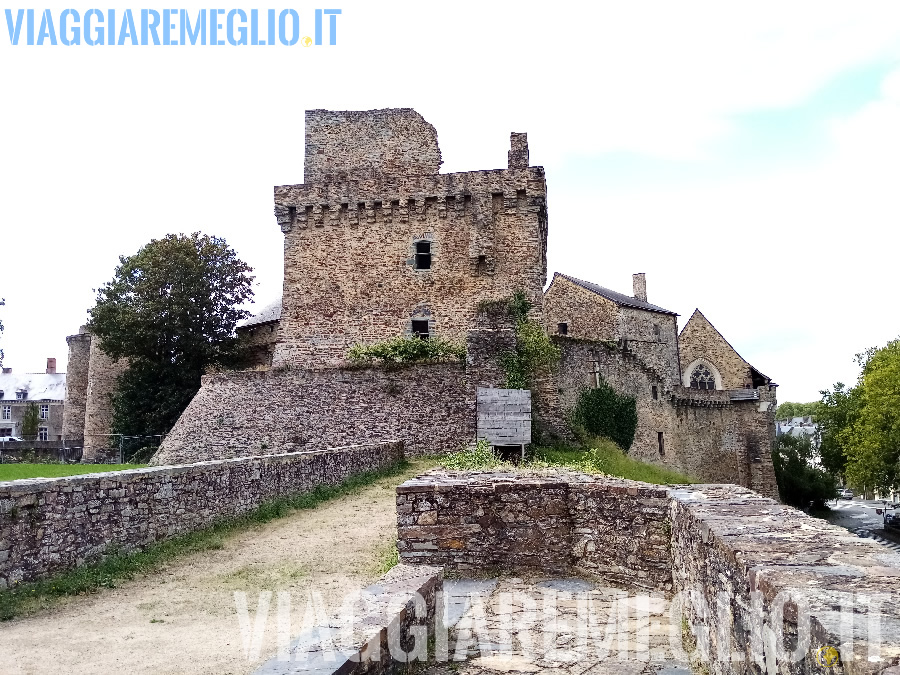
{"x": 241, "y": 414}
{"x": 350, "y": 267}
{"x": 102, "y": 374}
{"x": 76, "y": 385}
{"x": 351, "y": 144}
{"x": 700, "y": 340}
{"x": 258, "y": 344}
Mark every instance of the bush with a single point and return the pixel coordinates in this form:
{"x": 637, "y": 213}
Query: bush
{"x": 473, "y": 458}
{"x": 534, "y": 348}
{"x": 800, "y": 481}
{"x": 407, "y": 350}
{"x": 603, "y": 412}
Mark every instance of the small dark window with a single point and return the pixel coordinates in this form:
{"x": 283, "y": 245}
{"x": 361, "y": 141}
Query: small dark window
{"x": 423, "y": 255}
{"x": 22, "y": 395}
{"x": 662, "y": 443}
{"x": 420, "y": 328}
{"x": 655, "y": 393}
{"x": 562, "y": 329}
{"x": 656, "y": 329}
{"x": 481, "y": 265}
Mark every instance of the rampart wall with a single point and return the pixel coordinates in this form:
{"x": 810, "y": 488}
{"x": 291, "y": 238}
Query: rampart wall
{"x": 52, "y": 524}
{"x": 247, "y": 413}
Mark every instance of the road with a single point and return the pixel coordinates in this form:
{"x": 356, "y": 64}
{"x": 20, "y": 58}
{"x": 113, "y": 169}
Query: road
{"x": 860, "y": 516}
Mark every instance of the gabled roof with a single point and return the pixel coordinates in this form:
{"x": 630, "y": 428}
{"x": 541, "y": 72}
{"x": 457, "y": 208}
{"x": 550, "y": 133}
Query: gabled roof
{"x": 40, "y": 386}
{"x": 268, "y": 314}
{"x": 619, "y": 298}
{"x": 756, "y": 370}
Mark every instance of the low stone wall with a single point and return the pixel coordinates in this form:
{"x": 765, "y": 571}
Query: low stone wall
{"x": 53, "y": 524}
{"x": 248, "y": 413}
{"x": 733, "y": 549}
{"x": 387, "y": 634}
{"x": 476, "y": 521}
{"x": 746, "y": 570}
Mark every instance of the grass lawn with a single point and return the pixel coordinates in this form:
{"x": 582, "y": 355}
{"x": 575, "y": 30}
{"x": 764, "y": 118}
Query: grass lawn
{"x": 16, "y": 471}
{"x": 604, "y": 456}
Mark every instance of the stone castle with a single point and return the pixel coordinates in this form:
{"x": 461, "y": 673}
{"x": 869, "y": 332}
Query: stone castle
{"x": 378, "y": 244}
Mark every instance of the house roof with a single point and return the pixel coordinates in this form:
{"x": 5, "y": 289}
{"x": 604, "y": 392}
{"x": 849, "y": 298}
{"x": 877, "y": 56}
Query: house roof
{"x": 618, "y": 298}
{"x": 40, "y": 386}
{"x": 268, "y": 314}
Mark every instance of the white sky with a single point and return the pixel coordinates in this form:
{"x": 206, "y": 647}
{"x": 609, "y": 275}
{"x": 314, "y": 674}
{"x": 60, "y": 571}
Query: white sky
{"x": 748, "y": 160}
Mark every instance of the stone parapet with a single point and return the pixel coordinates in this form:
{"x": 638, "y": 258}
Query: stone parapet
{"x": 49, "y": 525}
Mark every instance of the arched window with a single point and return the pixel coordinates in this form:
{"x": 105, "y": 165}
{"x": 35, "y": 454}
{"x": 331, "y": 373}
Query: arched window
{"x": 702, "y": 377}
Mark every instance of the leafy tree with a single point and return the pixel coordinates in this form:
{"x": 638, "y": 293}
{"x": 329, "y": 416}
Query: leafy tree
{"x": 800, "y": 481}
{"x": 171, "y": 311}
{"x": 835, "y": 415}
{"x": 873, "y": 438}
{"x": 789, "y": 410}
{"x": 31, "y": 422}
{"x": 602, "y": 412}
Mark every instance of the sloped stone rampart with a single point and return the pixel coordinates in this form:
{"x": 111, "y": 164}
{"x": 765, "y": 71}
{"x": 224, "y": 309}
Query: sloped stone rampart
{"x": 52, "y": 524}
{"x": 249, "y": 413}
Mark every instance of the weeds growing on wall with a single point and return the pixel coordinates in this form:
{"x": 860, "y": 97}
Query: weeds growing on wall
{"x": 534, "y": 348}
{"x": 117, "y": 565}
{"x": 473, "y": 458}
{"x": 602, "y": 456}
{"x": 602, "y": 412}
{"x": 403, "y": 349}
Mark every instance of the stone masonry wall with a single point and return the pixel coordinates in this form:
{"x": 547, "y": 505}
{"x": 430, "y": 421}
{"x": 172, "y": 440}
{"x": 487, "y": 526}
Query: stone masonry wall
{"x": 706, "y": 435}
{"x": 653, "y": 336}
{"x": 734, "y": 547}
{"x": 349, "y": 256}
{"x": 53, "y": 524}
{"x": 76, "y": 385}
{"x": 258, "y": 343}
{"x": 613, "y": 528}
{"x": 587, "y": 315}
{"x": 102, "y": 374}
{"x": 700, "y": 340}
{"x": 246, "y": 413}
{"x": 342, "y": 144}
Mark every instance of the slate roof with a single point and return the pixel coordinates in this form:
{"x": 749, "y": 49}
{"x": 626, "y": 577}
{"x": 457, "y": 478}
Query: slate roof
{"x": 619, "y": 298}
{"x": 268, "y": 314}
{"x": 40, "y": 386}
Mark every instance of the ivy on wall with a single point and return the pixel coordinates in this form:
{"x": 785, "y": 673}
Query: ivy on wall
{"x": 406, "y": 350}
{"x": 534, "y": 349}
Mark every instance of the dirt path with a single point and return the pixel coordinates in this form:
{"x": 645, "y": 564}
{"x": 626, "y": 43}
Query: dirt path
{"x": 183, "y": 619}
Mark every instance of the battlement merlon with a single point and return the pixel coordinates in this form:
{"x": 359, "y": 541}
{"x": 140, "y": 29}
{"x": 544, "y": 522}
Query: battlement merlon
{"x": 478, "y": 193}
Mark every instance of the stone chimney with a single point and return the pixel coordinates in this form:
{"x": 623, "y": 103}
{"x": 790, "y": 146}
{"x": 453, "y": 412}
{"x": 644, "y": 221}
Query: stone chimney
{"x": 639, "y": 283}
{"x": 51, "y": 366}
{"x": 518, "y": 151}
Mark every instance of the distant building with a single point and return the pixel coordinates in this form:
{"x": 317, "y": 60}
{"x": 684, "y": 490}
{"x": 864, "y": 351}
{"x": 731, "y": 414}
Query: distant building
{"x": 46, "y": 390}
{"x": 799, "y": 427}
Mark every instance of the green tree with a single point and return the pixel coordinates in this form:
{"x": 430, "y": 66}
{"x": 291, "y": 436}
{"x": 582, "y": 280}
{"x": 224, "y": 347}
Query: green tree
{"x": 170, "y": 310}
{"x": 602, "y": 412}
{"x": 835, "y": 415}
{"x": 31, "y": 422}
{"x": 800, "y": 481}
{"x": 789, "y": 410}
{"x": 872, "y": 440}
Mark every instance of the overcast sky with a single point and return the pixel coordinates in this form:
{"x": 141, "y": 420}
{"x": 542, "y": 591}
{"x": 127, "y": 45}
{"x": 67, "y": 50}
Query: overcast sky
{"x": 747, "y": 160}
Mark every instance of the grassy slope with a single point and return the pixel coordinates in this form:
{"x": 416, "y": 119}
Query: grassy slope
{"x": 17, "y": 471}
{"x": 604, "y": 456}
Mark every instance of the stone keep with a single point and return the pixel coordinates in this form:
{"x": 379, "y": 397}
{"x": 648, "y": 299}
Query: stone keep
{"x": 378, "y": 244}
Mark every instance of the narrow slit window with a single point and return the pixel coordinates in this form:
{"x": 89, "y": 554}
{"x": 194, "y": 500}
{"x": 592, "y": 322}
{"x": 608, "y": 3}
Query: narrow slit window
{"x": 662, "y": 443}
{"x": 655, "y": 393}
{"x": 420, "y": 328}
{"x": 562, "y": 329}
{"x": 423, "y": 255}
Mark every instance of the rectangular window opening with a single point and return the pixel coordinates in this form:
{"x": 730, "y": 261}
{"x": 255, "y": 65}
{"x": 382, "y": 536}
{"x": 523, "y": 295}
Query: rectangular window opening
{"x": 656, "y": 330}
{"x": 423, "y": 255}
{"x": 45, "y": 412}
{"x": 43, "y": 435}
{"x": 562, "y": 328}
{"x": 420, "y": 328}
{"x": 6, "y": 432}
{"x": 7, "y": 412}
{"x": 662, "y": 444}
{"x": 21, "y": 395}
{"x": 655, "y": 393}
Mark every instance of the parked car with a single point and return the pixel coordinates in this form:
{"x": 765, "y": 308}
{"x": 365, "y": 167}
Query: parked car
{"x": 7, "y": 439}
{"x": 846, "y": 493}
{"x": 892, "y": 519}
